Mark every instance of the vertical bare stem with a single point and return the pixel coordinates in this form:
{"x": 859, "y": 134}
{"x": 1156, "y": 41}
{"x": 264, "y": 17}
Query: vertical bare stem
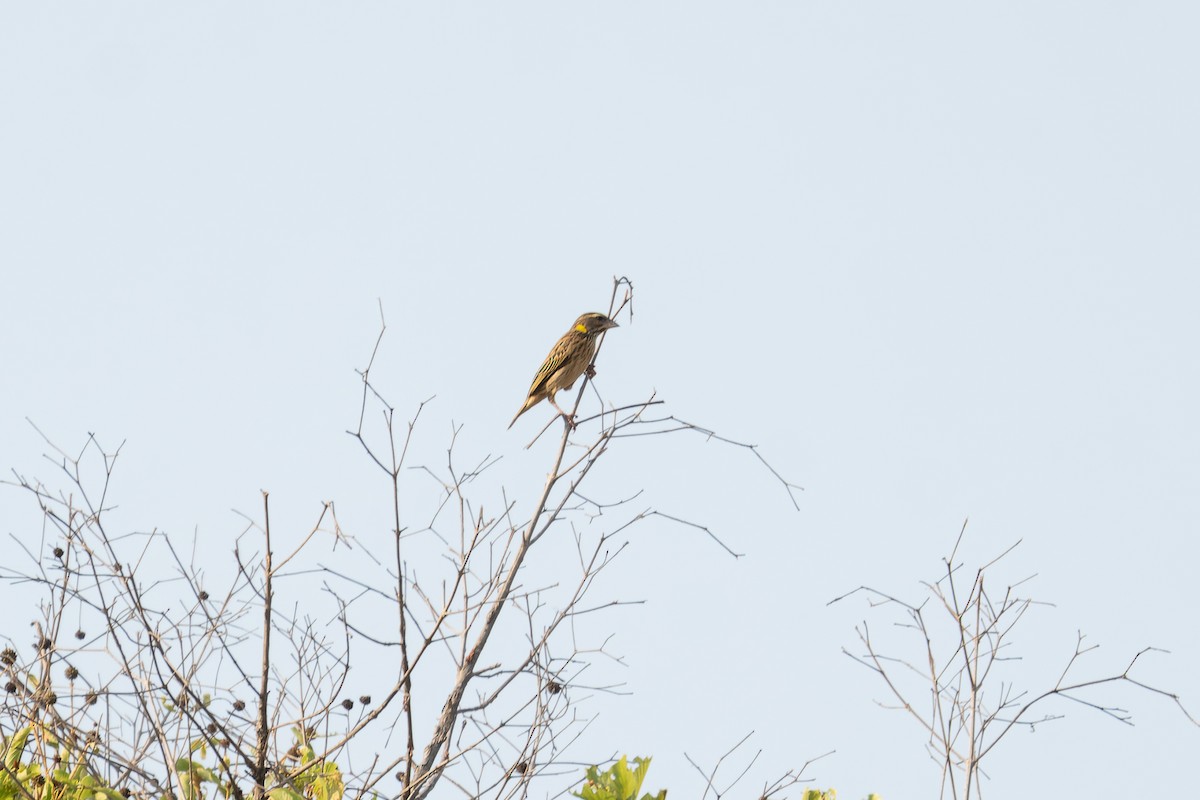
{"x": 260, "y": 762}
{"x": 402, "y": 604}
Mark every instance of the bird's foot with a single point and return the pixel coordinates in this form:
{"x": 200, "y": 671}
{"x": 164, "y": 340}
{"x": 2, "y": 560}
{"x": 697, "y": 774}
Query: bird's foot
{"x": 569, "y": 419}
{"x": 590, "y": 371}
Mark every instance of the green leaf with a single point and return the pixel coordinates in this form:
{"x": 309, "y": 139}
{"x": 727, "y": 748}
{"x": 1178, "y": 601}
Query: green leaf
{"x": 15, "y": 748}
{"x": 284, "y": 793}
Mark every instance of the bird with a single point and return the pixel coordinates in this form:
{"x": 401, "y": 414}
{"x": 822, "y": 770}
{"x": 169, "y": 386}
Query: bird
{"x": 570, "y": 357}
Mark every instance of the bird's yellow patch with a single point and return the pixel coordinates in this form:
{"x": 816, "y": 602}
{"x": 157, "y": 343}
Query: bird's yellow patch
{"x": 581, "y": 328}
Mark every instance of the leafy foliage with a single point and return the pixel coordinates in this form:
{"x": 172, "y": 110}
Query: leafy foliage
{"x": 618, "y": 782}
{"x": 40, "y": 766}
{"x": 63, "y": 777}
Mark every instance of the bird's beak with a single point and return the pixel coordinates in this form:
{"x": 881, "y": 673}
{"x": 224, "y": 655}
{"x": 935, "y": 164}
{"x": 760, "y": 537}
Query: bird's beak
{"x": 611, "y": 324}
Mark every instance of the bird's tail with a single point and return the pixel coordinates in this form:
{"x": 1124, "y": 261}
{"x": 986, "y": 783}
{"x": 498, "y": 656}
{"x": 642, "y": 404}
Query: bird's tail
{"x": 524, "y": 408}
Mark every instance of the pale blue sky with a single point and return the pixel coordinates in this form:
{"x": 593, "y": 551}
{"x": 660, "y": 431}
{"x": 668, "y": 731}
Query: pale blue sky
{"x": 938, "y": 259}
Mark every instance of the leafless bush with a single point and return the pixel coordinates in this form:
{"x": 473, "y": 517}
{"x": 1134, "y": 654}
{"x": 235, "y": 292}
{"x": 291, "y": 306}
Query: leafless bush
{"x": 952, "y": 678}
{"x": 174, "y": 686}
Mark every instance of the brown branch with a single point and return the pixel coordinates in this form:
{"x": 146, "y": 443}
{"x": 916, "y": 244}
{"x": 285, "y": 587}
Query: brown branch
{"x": 259, "y": 772}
